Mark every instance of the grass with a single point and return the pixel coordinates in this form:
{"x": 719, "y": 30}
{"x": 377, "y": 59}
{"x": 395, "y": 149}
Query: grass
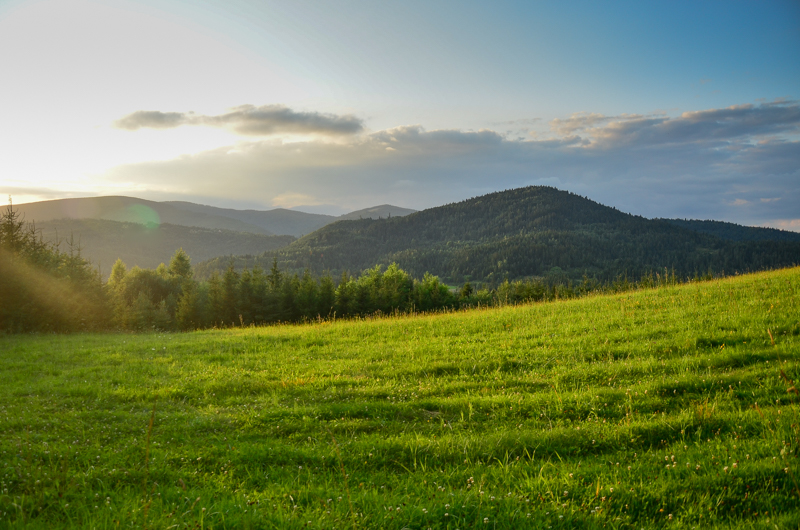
{"x": 670, "y": 407}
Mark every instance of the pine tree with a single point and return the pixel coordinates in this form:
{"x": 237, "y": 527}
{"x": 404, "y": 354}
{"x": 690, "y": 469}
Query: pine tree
{"x": 118, "y": 271}
{"x": 187, "y": 315}
{"x": 180, "y": 266}
{"x": 215, "y": 302}
{"x": 11, "y": 230}
{"x": 326, "y": 296}
{"x": 230, "y": 284}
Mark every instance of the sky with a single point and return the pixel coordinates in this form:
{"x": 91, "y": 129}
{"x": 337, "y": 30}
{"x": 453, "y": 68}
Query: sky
{"x": 660, "y": 109}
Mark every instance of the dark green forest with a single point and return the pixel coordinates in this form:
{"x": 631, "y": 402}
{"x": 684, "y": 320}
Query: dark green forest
{"x": 734, "y": 232}
{"x": 531, "y": 244}
{"x": 522, "y": 234}
{"x": 46, "y": 289}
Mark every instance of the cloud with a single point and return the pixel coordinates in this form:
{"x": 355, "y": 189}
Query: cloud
{"x": 24, "y": 194}
{"x": 785, "y": 224}
{"x": 582, "y": 121}
{"x": 291, "y": 199}
{"x": 715, "y": 125}
{"x": 711, "y": 164}
{"x": 153, "y": 119}
{"x": 248, "y": 120}
{"x": 521, "y": 121}
{"x": 577, "y": 122}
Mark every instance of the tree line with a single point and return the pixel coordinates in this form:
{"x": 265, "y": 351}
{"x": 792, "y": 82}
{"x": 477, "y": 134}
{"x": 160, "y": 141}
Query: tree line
{"x": 169, "y": 298}
{"x": 44, "y": 288}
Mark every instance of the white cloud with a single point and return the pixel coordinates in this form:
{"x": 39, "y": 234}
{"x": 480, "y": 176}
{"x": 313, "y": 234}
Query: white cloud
{"x": 717, "y": 163}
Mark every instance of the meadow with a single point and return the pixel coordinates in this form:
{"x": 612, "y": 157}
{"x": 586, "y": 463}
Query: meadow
{"x": 659, "y": 408}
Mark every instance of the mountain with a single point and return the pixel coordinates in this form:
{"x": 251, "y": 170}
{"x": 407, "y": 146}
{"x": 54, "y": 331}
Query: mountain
{"x": 102, "y": 241}
{"x": 277, "y": 221}
{"x": 376, "y": 212}
{"x": 734, "y": 232}
{"x": 132, "y": 210}
{"x": 527, "y": 232}
{"x": 146, "y": 233}
{"x": 292, "y": 222}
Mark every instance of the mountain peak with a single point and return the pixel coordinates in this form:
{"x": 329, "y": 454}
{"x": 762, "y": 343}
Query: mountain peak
{"x": 377, "y": 212}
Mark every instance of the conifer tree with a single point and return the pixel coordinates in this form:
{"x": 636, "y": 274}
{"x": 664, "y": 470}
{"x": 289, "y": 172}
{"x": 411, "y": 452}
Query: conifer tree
{"x": 230, "y": 284}
{"x": 180, "y": 265}
{"x": 118, "y": 271}
{"x": 188, "y": 315}
{"x": 326, "y": 296}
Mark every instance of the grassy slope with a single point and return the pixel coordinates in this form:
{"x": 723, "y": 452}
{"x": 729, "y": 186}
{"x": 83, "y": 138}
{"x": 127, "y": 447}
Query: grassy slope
{"x": 629, "y": 411}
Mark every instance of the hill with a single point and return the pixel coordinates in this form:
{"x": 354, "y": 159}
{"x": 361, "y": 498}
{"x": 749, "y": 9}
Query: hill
{"x": 102, "y": 241}
{"x": 131, "y": 210}
{"x": 734, "y": 232}
{"x": 664, "y": 408}
{"x": 527, "y": 232}
{"x": 376, "y": 212}
{"x": 277, "y": 221}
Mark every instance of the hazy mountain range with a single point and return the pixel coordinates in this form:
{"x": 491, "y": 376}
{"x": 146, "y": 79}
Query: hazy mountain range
{"x": 534, "y": 231}
{"x": 279, "y": 221}
{"x": 146, "y": 245}
{"x": 146, "y": 233}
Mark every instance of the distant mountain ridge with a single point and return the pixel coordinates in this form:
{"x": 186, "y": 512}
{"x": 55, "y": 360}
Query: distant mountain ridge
{"x": 146, "y": 233}
{"x": 526, "y": 232}
{"x": 384, "y": 211}
{"x": 130, "y": 210}
{"x": 102, "y": 241}
{"x": 278, "y": 221}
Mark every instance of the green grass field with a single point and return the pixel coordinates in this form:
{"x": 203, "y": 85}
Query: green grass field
{"x": 661, "y": 408}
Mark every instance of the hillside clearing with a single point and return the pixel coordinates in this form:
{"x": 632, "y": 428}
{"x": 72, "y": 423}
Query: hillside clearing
{"x": 671, "y": 406}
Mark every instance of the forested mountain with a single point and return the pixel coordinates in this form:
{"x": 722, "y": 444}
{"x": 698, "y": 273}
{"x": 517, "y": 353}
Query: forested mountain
{"x": 101, "y": 242}
{"x": 521, "y": 233}
{"x": 734, "y": 232}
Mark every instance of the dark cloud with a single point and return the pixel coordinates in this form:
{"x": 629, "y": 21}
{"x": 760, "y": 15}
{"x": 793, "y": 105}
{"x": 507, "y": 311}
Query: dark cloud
{"x": 715, "y": 164}
{"x": 703, "y": 126}
{"x": 248, "y": 120}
